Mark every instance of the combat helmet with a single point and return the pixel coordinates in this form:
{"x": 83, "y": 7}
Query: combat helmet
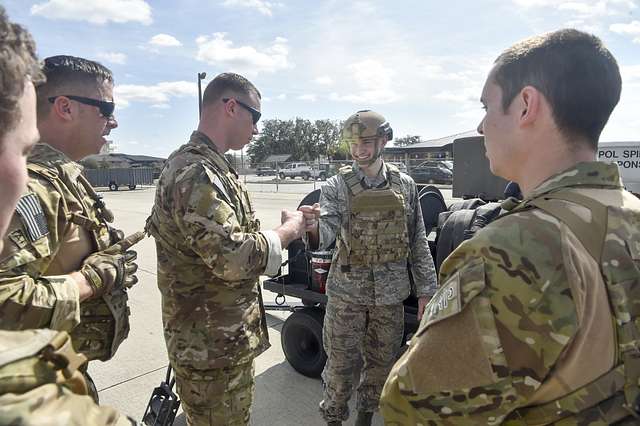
{"x": 366, "y": 124}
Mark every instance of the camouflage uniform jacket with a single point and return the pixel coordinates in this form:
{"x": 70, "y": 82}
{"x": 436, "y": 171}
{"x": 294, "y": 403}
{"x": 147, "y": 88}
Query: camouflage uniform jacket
{"x": 521, "y": 306}
{"x": 210, "y": 256}
{"x": 41, "y": 365}
{"x": 58, "y": 223}
{"x": 386, "y": 283}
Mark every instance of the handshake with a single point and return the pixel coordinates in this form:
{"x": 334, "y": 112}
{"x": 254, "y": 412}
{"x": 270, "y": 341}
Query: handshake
{"x": 294, "y": 224}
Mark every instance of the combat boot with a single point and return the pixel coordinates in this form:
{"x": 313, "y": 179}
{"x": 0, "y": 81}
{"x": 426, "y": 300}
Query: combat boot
{"x": 364, "y": 418}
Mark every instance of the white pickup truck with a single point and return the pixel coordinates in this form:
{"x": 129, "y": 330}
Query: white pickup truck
{"x": 627, "y": 156}
{"x": 292, "y": 170}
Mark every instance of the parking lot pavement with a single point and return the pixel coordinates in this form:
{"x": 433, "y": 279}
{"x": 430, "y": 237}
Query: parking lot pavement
{"x": 283, "y": 397}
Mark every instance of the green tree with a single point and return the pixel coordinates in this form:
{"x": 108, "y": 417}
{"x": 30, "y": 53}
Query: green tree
{"x": 303, "y": 139}
{"x": 407, "y": 140}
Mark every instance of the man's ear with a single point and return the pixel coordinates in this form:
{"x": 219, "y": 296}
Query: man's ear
{"x": 62, "y": 108}
{"x": 530, "y": 102}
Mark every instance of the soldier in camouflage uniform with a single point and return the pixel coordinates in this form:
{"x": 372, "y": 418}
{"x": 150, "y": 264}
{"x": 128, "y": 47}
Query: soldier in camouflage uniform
{"x": 536, "y": 318}
{"x": 211, "y": 253}
{"x": 35, "y": 365}
{"x": 371, "y": 209}
{"x": 59, "y": 268}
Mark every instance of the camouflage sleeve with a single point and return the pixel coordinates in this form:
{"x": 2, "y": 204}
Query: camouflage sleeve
{"x": 422, "y": 267}
{"x": 57, "y": 402}
{"x": 332, "y": 204}
{"x": 211, "y": 227}
{"x": 490, "y": 335}
{"x": 28, "y": 299}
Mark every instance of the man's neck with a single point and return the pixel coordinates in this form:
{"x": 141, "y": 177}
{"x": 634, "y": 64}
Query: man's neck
{"x": 215, "y": 135}
{"x": 372, "y": 170}
{"x": 550, "y": 160}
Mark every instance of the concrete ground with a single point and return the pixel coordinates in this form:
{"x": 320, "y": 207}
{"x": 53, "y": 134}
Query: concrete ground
{"x": 283, "y": 397}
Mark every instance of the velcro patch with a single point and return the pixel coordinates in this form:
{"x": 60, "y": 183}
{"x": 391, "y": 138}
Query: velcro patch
{"x": 32, "y": 216}
{"x": 445, "y": 303}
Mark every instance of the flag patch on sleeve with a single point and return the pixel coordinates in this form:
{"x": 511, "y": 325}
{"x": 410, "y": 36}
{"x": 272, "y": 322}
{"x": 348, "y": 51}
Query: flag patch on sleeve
{"x": 32, "y": 216}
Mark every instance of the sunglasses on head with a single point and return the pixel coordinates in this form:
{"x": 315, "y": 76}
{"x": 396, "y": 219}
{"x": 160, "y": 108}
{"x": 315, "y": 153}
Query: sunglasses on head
{"x": 106, "y": 108}
{"x": 255, "y": 114}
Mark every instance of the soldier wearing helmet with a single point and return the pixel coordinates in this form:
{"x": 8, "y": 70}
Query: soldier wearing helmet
{"x": 371, "y": 210}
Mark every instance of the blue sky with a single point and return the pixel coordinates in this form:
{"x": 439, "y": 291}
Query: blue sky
{"x": 421, "y": 64}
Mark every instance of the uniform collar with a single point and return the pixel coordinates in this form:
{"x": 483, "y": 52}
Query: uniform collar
{"x": 376, "y": 181}
{"x": 208, "y": 148}
{"x": 49, "y": 156}
{"x": 592, "y": 173}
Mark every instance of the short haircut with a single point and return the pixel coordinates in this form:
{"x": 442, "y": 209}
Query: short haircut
{"x": 577, "y": 75}
{"x": 68, "y": 73}
{"x": 227, "y": 82}
{"x": 17, "y": 60}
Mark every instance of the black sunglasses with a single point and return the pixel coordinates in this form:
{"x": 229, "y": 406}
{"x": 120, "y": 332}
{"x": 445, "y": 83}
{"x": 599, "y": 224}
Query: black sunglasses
{"x": 106, "y": 108}
{"x": 255, "y": 114}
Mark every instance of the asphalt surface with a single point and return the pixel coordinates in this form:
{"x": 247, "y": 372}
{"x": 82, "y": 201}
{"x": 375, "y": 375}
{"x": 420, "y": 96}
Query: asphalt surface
{"x": 283, "y": 397}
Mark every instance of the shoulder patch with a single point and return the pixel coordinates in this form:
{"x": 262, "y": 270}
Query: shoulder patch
{"x": 32, "y": 216}
{"x": 445, "y": 303}
{"x": 18, "y": 238}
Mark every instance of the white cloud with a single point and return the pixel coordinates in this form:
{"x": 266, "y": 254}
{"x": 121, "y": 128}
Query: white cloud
{"x": 308, "y": 97}
{"x": 164, "y": 40}
{"x": 280, "y": 97}
{"x": 264, "y": 7}
{"x": 630, "y": 29}
{"x": 217, "y": 50}
{"x": 374, "y": 81}
{"x": 582, "y": 8}
{"x": 113, "y": 57}
{"x": 158, "y": 95}
{"x": 95, "y": 11}
{"x": 324, "y": 80}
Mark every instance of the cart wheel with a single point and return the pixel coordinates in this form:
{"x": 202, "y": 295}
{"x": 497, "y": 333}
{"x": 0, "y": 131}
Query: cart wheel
{"x": 301, "y": 340}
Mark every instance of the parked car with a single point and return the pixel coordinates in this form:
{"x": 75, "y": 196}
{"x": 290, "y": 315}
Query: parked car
{"x": 265, "y": 171}
{"x": 323, "y": 171}
{"x": 400, "y": 165}
{"x": 292, "y": 170}
{"x": 432, "y": 174}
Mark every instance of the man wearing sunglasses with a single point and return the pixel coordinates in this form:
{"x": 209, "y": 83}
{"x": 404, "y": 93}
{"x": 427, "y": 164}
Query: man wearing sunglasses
{"x": 55, "y": 271}
{"x": 211, "y": 254}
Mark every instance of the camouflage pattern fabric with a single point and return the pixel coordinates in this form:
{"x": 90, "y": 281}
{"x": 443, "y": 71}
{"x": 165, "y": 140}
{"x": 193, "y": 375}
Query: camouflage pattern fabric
{"x": 40, "y": 383}
{"x": 353, "y": 332}
{"x": 68, "y": 224}
{"x": 505, "y": 318}
{"x": 221, "y": 396}
{"x": 210, "y": 256}
{"x": 379, "y": 283}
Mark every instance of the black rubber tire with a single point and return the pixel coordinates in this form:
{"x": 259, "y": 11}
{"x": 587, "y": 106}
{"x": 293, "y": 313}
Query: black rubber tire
{"x": 113, "y": 186}
{"x": 281, "y": 176}
{"x": 132, "y": 186}
{"x": 323, "y": 176}
{"x": 305, "y": 176}
{"x": 301, "y": 339}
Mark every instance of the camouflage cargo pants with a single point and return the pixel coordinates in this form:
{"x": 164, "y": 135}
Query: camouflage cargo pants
{"x": 351, "y": 332}
{"x": 220, "y": 396}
